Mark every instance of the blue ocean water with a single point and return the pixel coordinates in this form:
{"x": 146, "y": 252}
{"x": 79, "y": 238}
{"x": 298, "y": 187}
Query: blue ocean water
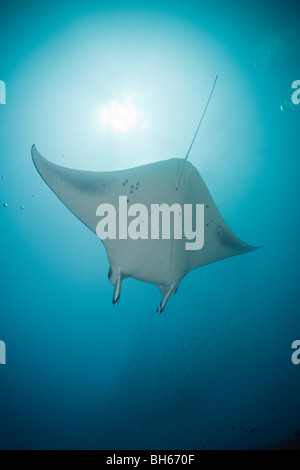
{"x": 214, "y": 370}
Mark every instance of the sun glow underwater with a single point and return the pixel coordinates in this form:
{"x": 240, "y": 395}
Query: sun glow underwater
{"x": 122, "y": 116}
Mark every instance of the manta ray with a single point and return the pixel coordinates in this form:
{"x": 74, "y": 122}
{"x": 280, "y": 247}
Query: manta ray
{"x": 162, "y": 262}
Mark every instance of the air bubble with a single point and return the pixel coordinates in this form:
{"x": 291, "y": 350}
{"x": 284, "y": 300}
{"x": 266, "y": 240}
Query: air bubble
{"x": 5, "y": 204}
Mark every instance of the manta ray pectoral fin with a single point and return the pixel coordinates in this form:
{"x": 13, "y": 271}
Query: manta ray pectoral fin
{"x": 167, "y": 292}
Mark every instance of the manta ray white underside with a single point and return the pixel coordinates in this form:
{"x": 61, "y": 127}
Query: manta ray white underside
{"x": 160, "y": 262}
